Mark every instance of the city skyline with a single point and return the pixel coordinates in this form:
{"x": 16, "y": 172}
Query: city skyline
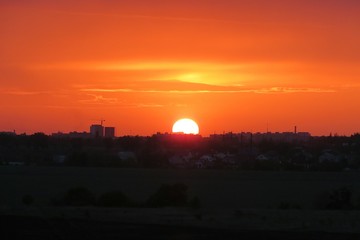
{"x": 129, "y": 132}
{"x": 229, "y": 65}
{"x": 101, "y": 130}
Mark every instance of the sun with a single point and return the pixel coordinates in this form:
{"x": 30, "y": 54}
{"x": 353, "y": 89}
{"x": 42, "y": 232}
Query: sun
{"x": 186, "y": 126}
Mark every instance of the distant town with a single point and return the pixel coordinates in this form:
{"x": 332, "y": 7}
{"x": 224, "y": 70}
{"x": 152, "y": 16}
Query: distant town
{"x": 96, "y": 131}
{"x": 245, "y": 150}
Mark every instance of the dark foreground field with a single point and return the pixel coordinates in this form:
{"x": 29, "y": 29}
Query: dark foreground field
{"x": 53, "y": 229}
{"x": 214, "y": 188}
{"x": 233, "y": 205}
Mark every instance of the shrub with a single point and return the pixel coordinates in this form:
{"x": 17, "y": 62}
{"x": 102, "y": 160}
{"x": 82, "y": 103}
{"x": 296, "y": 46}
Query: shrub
{"x": 27, "y": 199}
{"x": 79, "y": 197}
{"x": 194, "y": 203}
{"x": 287, "y": 205}
{"x": 337, "y": 199}
{"x": 169, "y": 195}
{"x": 340, "y": 199}
{"x": 114, "y": 199}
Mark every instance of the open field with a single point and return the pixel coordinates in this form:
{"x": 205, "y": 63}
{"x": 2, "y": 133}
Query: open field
{"x": 48, "y": 229}
{"x": 233, "y": 202}
{"x": 216, "y": 189}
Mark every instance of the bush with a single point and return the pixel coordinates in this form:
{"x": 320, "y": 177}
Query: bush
{"x": 114, "y": 199}
{"x": 27, "y": 199}
{"x": 340, "y": 199}
{"x": 194, "y": 203}
{"x": 337, "y": 199}
{"x": 169, "y": 195}
{"x": 79, "y": 197}
{"x": 287, "y": 205}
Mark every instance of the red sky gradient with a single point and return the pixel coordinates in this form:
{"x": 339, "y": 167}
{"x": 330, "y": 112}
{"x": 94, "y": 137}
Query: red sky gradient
{"x": 230, "y": 65}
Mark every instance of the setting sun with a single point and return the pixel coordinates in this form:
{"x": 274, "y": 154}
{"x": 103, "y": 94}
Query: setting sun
{"x": 186, "y": 126}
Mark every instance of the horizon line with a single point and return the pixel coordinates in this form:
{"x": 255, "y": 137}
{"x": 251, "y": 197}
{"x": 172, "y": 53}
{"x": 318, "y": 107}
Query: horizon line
{"x": 333, "y": 134}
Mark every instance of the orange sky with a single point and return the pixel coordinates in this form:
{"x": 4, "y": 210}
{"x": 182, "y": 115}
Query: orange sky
{"x": 230, "y": 65}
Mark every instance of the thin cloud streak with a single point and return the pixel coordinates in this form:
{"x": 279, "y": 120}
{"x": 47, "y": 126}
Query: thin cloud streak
{"x": 99, "y": 99}
{"x": 24, "y": 93}
{"x": 142, "y": 66}
{"x": 259, "y": 91}
{"x": 149, "y": 105}
{"x": 186, "y": 19}
{"x": 152, "y": 17}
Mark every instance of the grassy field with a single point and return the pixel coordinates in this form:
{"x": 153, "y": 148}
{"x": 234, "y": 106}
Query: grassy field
{"x": 54, "y": 229}
{"x": 216, "y": 189}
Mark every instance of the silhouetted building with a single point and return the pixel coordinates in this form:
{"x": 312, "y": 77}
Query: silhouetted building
{"x": 79, "y": 135}
{"x": 247, "y": 137}
{"x": 8, "y": 133}
{"x": 109, "y": 132}
{"x": 83, "y": 135}
{"x": 96, "y": 130}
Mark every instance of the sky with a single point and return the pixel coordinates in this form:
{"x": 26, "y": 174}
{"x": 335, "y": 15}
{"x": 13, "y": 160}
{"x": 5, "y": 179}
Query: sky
{"x": 230, "y": 65}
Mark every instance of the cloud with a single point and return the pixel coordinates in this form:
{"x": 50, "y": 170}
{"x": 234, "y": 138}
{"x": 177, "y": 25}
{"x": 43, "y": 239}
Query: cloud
{"x": 151, "y": 17}
{"x": 293, "y": 90}
{"x": 148, "y": 105}
{"x": 259, "y": 91}
{"x": 23, "y": 92}
{"x": 351, "y": 85}
{"x": 99, "y": 99}
{"x": 179, "y": 87}
{"x": 140, "y": 66}
{"x": 179, "y": 18}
